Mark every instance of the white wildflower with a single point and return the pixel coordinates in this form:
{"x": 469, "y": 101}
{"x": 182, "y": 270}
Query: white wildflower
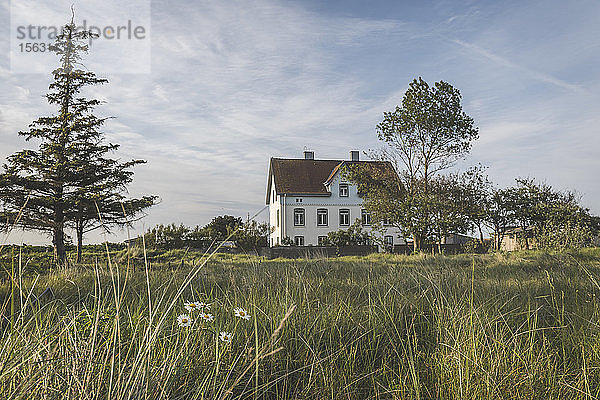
{"x": 184, "y": 320}
{"x": 192, "y": 305}
{"x": 240, "y": 312}
{"x": 206, "y": 317}
{"x": 225, "y": 336}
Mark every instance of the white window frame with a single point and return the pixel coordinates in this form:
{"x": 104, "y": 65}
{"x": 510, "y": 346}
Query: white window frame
{"x": 344, "y": 190}
{"x": 321, "y": 239}
{"x": 299, "y": 240}
{"x": 365, "y": 217}
{"x": 299, "y": 217}
{"x": 320, "y": 213}
{"x": 388, "y": 240}
{"x": 346, "y": 212}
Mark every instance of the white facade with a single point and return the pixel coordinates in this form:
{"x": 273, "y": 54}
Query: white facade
{"x": 321, "y": 214}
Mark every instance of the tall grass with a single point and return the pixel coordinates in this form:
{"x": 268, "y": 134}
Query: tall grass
{"x": 523, "y": 325}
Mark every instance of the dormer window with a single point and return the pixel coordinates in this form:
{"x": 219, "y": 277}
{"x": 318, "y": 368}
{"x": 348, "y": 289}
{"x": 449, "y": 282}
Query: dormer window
{"x": 343, "y": 190}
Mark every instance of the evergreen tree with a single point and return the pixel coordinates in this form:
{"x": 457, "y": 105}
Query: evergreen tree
{"x": 69, "y": 181}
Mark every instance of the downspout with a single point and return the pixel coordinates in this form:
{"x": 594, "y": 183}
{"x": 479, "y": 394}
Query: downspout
{"x": 283, "y": 235}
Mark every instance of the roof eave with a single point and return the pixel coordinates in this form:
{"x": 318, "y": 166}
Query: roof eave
{"x": 306, "y": 194}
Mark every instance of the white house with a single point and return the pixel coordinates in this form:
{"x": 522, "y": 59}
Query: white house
{"x": 309, "y": 198}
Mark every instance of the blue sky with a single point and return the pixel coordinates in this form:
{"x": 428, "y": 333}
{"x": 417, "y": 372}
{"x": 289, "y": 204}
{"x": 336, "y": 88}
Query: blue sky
{"x": 234, "y": 83}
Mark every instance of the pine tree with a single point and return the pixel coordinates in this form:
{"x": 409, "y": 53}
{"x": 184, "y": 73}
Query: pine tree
{"x": 69, "y": 181}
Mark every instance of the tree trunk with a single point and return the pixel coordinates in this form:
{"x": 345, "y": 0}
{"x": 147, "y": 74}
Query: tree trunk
{"x": 499, "y": 236}
{"x": 480, "y": 234}
{"x": 58, "y": 240}
{"x": 79, "y": 242}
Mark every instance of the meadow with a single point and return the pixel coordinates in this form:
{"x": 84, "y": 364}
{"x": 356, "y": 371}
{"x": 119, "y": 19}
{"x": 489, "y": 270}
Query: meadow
{"x": 523, "y": 325}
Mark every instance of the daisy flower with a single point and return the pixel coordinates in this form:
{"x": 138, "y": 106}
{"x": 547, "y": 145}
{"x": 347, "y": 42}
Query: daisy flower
{"x": 240, "y": 312}
{"x": 204, "y": 317}
{"x": 184, "y": 320}
{"x": 192, "y": 305}
{"x": 225, "y": 336}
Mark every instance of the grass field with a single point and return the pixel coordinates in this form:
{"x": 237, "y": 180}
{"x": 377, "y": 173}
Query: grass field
{"x": 499, "y": 326}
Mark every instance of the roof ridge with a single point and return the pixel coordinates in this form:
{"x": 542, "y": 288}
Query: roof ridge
{"x": 331, "y": 160}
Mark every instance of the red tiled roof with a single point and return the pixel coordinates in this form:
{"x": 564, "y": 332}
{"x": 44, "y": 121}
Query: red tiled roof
{"x": 307, "y": 177}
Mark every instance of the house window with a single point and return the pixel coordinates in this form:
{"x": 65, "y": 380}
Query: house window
{"x": 322, "y": 240}
{"x": 299, "y": 240}
{"x": 322, "y": 219}
{"x": 343, "y": 190}
{"x": 344, "y": 217}
{"x": 366, "y": 217}
{"x": 298, "y": 200}
{"x": 278, "y": 218}
{"x": 299, "y": 217}
{"x": 388, "y": 240}
{"x": 386, "y": 222}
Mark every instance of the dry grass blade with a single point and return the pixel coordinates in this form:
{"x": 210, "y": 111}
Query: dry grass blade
{"x": 10, "y": 228}
{"x": 264, "y": 352}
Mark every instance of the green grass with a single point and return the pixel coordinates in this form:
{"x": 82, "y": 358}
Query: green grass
{"x": 500, "y": 326}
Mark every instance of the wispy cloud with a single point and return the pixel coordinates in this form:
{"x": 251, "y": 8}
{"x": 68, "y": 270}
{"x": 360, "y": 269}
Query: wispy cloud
{"x": 507, "y": 63}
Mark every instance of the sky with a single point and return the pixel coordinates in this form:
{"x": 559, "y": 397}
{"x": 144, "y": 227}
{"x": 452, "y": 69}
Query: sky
{"x": 231, "y": 84}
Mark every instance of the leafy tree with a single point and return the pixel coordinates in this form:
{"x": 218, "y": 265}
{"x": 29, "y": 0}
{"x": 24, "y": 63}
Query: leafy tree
{"x": 498, "y": 214}
{"x": 222, "y": 226}
{"x": 554, "y": 218}
{"x": 197, "y": 238}
{"x": 353, "y": 236}
{"x": 59, "y": 184}
{"x": 384, "y": 195}
{"x": 427, "y": 134}
{"x": 252, "y": 236}
{"x": 167, "y": 237}
{"x": 477, "y": 189}
{"x": 449, "y": 209}
{"x": 172, "y": 236}
{"x": 249, "y": 236}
